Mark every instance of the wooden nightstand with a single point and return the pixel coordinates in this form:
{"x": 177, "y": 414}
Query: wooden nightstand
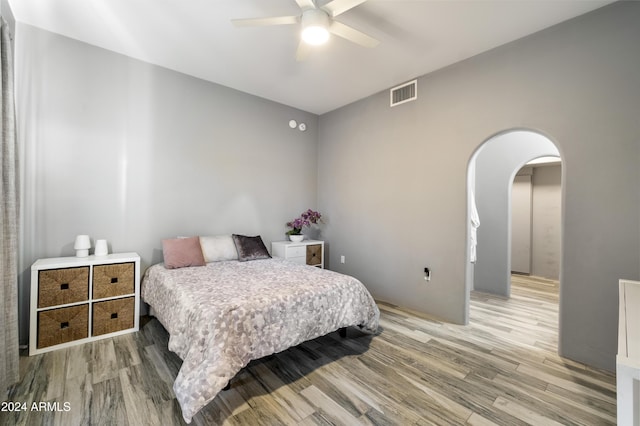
{"x": 306, "y": 252}
{"x": 76, "y": 300}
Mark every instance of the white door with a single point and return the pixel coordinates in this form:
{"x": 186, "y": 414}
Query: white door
{"x": 521, "y": 224}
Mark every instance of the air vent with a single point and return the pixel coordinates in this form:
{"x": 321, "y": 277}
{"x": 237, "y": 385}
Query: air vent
{"x": 406, "y": 92}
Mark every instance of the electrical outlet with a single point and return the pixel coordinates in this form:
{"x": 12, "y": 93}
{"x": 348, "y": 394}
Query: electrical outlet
{"x": 342, "y": 259}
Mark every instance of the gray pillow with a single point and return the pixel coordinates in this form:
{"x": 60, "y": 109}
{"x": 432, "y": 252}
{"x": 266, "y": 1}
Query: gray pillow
{"x": 250, "y": 248}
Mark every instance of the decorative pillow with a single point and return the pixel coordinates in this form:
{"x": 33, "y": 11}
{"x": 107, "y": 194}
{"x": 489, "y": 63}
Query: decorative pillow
{"x": 250, "y": 248}
{"x": 218, "y": 248}
{"x": 181, "y": 252}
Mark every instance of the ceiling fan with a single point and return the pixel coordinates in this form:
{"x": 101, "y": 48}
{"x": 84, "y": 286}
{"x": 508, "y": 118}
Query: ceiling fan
{"x": 317, "y": 23}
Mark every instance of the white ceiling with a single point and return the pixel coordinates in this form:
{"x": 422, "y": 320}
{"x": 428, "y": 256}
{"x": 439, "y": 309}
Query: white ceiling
{"x": 196, "y": 37}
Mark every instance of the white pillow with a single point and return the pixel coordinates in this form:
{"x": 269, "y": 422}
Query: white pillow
{"x": 218, "y": 248}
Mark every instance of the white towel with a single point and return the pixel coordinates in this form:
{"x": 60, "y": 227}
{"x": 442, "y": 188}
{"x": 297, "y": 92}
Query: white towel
{"x": 475, "y": 223}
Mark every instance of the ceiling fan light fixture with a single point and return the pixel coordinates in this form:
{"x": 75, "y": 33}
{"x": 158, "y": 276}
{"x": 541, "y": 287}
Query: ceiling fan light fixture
{"x": 315, "y": 35}
{"x": 316, "y": 24}
{"x": 315, "y": 27}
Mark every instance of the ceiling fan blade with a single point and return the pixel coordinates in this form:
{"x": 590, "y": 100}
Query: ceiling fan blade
{"x": 303, "y": 51}
{"x": 336, "y": 7}
{"x": 306, "y": 4}
{"x": 261, "y": 22}
{"x": 352, "y": 34}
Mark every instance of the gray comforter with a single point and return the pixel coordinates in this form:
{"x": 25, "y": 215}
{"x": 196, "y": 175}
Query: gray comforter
{"x": 225, "y": 314}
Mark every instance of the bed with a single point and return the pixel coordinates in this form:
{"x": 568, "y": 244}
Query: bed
{"x": 225, "y": 313}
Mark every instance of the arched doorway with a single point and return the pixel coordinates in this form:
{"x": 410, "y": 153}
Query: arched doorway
{"x": 490, "y": 173}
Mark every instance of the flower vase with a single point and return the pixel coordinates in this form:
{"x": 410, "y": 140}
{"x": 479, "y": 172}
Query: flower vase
{"x": 296, "y": 238}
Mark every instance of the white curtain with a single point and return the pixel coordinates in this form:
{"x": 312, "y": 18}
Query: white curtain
{"x": 9, "y": 371}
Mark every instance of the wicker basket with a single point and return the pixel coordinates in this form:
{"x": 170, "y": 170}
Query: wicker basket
{"x": 113, "y": 280}
{"x": 314, "y": 254}
{"x": 62, "y": 286}
{"x": 56, "y": 326}
{"x": 113, "y": 315}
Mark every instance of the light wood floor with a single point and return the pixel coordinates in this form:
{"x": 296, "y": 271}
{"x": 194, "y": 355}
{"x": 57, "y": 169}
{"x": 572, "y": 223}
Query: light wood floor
{"x": 501, "y": 369}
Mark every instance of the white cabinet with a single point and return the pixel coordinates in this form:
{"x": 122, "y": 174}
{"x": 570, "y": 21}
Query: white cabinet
{"x": 306, "y": 252}
{"x": 628, "y": 359}
{"x": 75, "y": 300}
{"x": 521, "y": 224}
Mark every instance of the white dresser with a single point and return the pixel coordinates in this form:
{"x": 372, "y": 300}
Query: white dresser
{"x": 628, "y": 359}
{"x": 76, "y": 300}
{"x": 306, "y": 252}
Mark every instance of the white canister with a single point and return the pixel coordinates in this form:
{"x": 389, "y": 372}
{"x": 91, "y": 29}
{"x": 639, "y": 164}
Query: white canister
{"x": 101, "y": 248}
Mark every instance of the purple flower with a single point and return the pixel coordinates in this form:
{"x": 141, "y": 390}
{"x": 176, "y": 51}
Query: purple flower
{"x": 306, "y": 219}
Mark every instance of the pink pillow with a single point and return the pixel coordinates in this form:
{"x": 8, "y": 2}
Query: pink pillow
{"x": 182, "y": 252}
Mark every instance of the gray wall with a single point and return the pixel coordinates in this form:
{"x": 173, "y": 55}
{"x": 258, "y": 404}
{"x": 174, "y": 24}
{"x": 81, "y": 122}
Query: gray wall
{"x": 547, "y": 219}
{"x": 392, "y": 181}
{"x": 496, "y": 165}
{"x": 133, "y": 153}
